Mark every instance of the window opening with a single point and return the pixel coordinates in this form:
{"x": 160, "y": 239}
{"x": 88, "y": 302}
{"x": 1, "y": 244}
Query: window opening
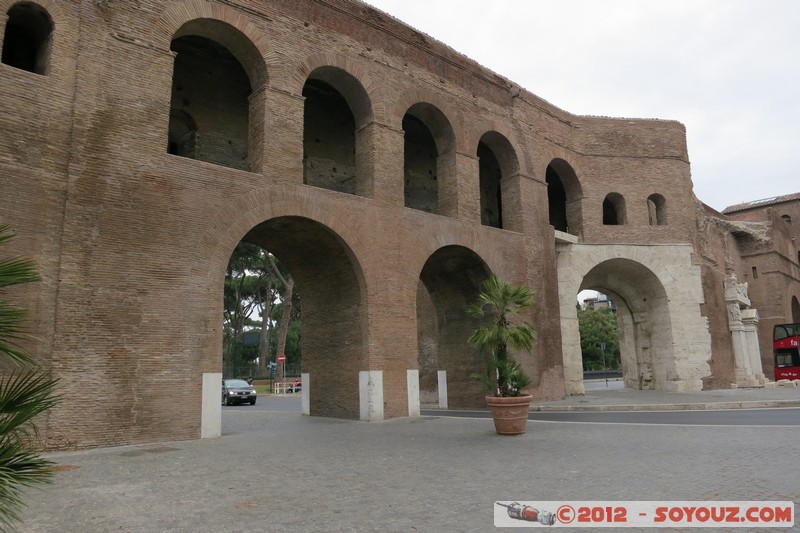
{"x": 656, "y": 209}
{"x": 26, "y": 43}
{"x": 420, "y": 168}
{"x": 329, "y": 139}
{"x": 614, "y": 210}
{"x": 490, "y": 178}
{"x": 209, "y": 116}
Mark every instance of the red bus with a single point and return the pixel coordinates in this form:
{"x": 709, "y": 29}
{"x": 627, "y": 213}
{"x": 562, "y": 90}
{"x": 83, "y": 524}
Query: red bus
{"x": 786, "y": 349}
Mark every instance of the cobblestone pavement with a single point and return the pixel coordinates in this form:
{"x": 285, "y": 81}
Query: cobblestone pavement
{"x": 288, "y": 472}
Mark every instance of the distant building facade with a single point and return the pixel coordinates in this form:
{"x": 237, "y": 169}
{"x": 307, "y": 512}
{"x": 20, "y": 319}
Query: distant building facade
{"x": 143, "y": 140}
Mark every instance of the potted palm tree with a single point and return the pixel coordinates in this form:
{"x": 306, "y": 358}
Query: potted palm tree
{"x": 498, "y": 335}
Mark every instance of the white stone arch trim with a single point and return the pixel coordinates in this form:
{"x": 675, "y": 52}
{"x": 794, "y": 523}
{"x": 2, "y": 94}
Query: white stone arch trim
{"x": 681, "y": 280}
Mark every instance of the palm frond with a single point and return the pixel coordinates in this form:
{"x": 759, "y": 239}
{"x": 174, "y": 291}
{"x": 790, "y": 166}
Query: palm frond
{"x": 11, "y": 320}
{"x": 24, "y": 394}
{"x": 497, "y": 304}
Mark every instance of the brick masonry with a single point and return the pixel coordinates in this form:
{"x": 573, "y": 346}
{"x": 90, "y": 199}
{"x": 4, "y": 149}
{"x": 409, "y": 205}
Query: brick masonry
{"x": 132, "y": 223}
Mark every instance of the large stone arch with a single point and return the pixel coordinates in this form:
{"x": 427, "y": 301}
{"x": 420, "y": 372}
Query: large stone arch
{"x": 664, "y": 340}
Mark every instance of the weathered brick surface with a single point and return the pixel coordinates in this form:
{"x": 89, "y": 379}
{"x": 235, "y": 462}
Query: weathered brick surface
{"x": 132, "y": 242}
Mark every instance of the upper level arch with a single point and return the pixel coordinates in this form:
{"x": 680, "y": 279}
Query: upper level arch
{"x": 212, "y": 86}
{"x": 335, "y": 143}
{"x": 238, "y": 34}
{"x": 27, "y": 39}
{"x": 497, "y": 160}
{"x": 429, "y": 167}
{"x": 346, "y": 77}
{"x": 564, "y": 196}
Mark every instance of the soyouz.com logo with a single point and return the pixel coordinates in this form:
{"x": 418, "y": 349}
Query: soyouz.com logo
{"x": 666, "y": 514}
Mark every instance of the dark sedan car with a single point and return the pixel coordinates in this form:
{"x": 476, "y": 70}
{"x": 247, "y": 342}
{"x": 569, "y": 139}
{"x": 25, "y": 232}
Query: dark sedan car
{"x": 237, "y": 391}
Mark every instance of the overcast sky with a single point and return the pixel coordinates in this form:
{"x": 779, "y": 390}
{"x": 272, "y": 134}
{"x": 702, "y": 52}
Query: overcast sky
{"x": 729, "y": 70}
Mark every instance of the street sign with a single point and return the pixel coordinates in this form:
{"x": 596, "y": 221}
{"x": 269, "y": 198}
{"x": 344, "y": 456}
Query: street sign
{"x": 281, "y": 358}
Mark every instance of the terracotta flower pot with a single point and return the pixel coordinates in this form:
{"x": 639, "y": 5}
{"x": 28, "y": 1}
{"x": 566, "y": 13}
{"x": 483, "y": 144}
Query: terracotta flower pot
{"x": 510, "y": 413}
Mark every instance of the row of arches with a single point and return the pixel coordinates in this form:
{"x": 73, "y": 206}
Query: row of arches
{"x": 337, "y": 140}
{"x": 210, "y": 120}
{"x": 214, "y": 118}
{"x": 334, "y": 327}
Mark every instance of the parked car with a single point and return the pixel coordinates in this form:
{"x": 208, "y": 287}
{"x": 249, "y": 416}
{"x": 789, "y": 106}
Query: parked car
{"x": 237, "y": 391}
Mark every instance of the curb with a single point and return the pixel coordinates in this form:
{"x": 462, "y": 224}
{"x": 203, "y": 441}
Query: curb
{"x": 760, "y": 404}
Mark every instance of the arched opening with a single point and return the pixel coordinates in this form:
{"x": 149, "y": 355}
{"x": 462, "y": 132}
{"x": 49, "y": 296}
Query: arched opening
{"x": 450, "y": 280}
{"x": 563, "y": 197}
{"x": 27, "y": 39}
{"x": 657, "y": 210}
{"x": 497, "y": 161}
{"x": 332, "y": 320}
{"x": 643, "y": 321}
{"x": 491, "y": 196}
{"x": 329, "y": 140}
{"x": 795, "y": 310}
{"x": 334, "y": 137}
{"x": 212, "y": 88}
{"x": 429, "y": 159}
{"x": 261, "y": 318}
{"x": 597, "y": 324}
{"x": 614, "y": 210}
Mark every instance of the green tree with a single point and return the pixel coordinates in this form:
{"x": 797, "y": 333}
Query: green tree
{"x": 287, "y": 299}
{"x": 256, "y": 283}
{"x": 25, "y": 392}
{"x": 598, "y": 327}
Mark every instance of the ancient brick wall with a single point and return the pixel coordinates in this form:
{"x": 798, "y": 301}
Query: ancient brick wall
{"x": 342, "y": 141}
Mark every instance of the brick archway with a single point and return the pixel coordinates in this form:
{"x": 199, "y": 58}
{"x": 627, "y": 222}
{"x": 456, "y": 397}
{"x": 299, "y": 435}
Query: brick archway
{"x": 450, "y": 280}
{"x": 331, "y": 285}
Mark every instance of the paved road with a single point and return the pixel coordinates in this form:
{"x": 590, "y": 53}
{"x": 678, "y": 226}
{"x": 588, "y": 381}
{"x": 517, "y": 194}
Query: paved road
{"x": 273, "y": 471}
{"x": 267, "y": 403}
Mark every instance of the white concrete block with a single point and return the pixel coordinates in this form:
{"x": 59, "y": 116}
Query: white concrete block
{"x": 412, "y": 380}
{"x": 305, "y": 401}
{"x": 370, "y": 391}
{"x": 211, "y": 407}
{"x": 442, "y": 376}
